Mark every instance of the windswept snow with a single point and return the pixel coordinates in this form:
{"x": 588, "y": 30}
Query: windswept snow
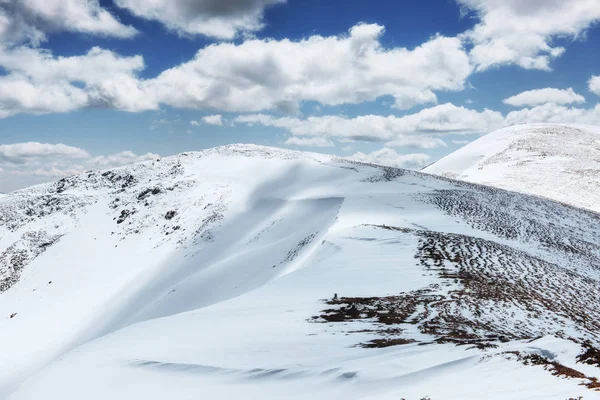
{"x": 213, "y": 274}
{"x": 557, "y": 161}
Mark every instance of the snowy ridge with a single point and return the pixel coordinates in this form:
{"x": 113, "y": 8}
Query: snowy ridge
{"x": 213, "y": 274}
{"x": 557, "y": 161}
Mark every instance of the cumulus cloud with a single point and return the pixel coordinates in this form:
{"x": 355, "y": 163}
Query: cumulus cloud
{"x": 543, "y": 96}
{"x": 118, "y": 159}
{"x": 48, "y": 173}
{"x": 216, "y": 119}
{"x": 390, "y": 157}
{"x": 271, "y": 74}
{"x": 555, "y": 113}
{"x": 35, "y": 81}
{"x": 423, "y": 129}
{"x": 21, "y": 153}
{"x": 28, "y": 21}
{"x": 594, "y": 85}
{"x": 422, "y": 142}
{"x": 38, "y": 82}
{"x": 439, "y": 120}
{"x": 223, "y": 19}
{"x": 462, "y": 142}
{"x": 309, "y": 142}
{"x": 522, "y": 32}
{"x": 252, "y": 76}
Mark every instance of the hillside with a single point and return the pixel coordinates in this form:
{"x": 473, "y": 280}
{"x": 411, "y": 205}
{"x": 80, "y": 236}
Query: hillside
{"x": 253, "y": 272}
{"x": 560, "y": 162}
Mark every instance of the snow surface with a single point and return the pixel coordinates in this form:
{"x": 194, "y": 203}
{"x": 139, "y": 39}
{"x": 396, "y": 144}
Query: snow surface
{"x": 557, "y": 161}
{"x": 211, "y": 275}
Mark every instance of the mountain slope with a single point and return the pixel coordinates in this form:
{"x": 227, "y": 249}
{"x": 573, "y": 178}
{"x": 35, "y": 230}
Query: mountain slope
{"x": 263, "y": 273}
{"x": 557, "y": 161}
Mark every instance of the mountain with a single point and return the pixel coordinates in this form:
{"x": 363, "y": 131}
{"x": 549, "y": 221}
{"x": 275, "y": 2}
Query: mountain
{"x": 557, "y": 161}
{"x": 261, "y": 273}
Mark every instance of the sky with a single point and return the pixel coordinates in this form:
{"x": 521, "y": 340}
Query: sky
{"x": 88, "y": 84}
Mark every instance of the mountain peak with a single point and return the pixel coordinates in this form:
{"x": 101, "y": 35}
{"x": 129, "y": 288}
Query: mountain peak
{"x": 557, "y": 161}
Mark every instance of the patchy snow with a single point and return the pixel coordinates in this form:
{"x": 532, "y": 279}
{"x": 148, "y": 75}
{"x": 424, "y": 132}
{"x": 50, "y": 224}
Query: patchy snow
{"x": 557, "y": 161}
{"x": 212, "y": 275}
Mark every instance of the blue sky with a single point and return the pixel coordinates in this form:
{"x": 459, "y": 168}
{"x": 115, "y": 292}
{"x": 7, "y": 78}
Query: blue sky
{"x": 88, "y": 84}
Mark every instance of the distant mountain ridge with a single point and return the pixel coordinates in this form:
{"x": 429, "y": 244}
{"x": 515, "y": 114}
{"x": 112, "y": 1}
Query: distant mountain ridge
{"x": 557, "y": 161}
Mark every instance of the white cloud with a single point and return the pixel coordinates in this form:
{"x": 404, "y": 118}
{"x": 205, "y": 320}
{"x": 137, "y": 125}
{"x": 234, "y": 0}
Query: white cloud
{"x": 422, "y": 129}
{"x": 216, "y": 119}
{"x": 21, "y": 153}
{"x": 279, "y": 74}
{"x": 390, "y": 157}
{"x": 223, "y": 19}
{"x": 439, "y": 120}
{"x": 38, "y": 82}
{"x": 461, "y": 141}
{"x": 309, "y": 142}
{"x": 594, "y": 85}
{"x": 422, "y": 142}
{"x": 21, "y": 95}
{"x": 555, "y": 113}
{"x": 50, "y": 172}
{"x": 118, "y": 159}
{"x": 521, "y": 32}
{"x": 543, "y": 96}
{"x": 252, "y": 76}
{"x": 28, "y": 21}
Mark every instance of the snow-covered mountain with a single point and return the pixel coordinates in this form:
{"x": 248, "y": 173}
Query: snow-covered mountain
{"x": 260, "y": 273}
{"x": 557, "y": 161}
